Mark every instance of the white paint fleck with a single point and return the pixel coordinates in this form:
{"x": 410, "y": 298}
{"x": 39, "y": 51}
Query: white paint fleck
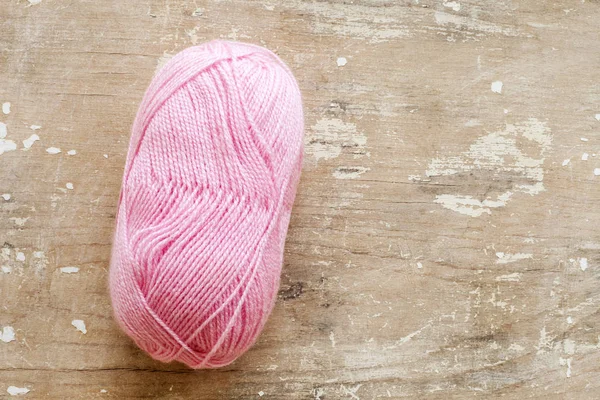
{"x": 545, "y": 342}
{"x": 583, "y": 263}
{"x": 514, "y": 277}
{"x": 7, "y": 334}
{"x": 261, "y": 393}
{"x": 20, "y": 256}
{"x": 329, "y": 136}
{"x": 69, "y": 270}
{"x": 569, "y": 346}
{"x": 27, "y": 143}
{"x": 105, "y": 155}
{"x": 53, "y": 150}
{"x": 494, "y": 153}
{"x": 419, "y": 265}
{"x": 19, "y": 221}
{"x": 467, "y": 205}
{"x": 506, "y": 258}
{"x": 597, "y": 116}
{"x": 585, "y": 156}
{"x": 6, "y": 196}
{"x": 103, "y": 391}
{"x": 6, "y": 108}
{"x": 567, "y": 362}
{"x": 35, "y": 127}
{"x": 407, "y": 338}
{"x": 7, "y": 145}
{"x": 497, "y": 87}
{"x": 3, "y": 130}
{"x": 332, "y": 339}
{"x": 566, "y": 162}
{"x": 318, "y": 392}
{"x": 69, "y": 186}
{"x": 341, "y": 61}
{"x": 597, "y": 171}
{"x": 585, "y": 139}
{"x": 516, "y": 347}
{"x": 16, "y": 391}
{"x": 79, "y": 325}
{"x": 38, "y": 254}
{"x": 7, "y": 269}
{"x": 453, "y": 5}
{"x": 33, "y": 2}
{"x": 349, "y": 172}
{"x": 351, "y": 391}
{"x": 569, "y": 320}
{"x": 198, "y": 12}
{"x": 72, "y": 152}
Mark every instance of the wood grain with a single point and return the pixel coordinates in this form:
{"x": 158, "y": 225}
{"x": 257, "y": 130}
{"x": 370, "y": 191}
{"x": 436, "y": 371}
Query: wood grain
{"x": 438, "y": 248}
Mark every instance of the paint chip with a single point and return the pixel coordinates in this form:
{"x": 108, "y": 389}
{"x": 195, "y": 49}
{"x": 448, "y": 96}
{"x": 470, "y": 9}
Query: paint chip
{"x": 69, "y": 270}
{"x": 6, "y": 108}
{"x": 583, "y": 263}
{"x": 7, "y": 145}
{"x": 53, "y": 150}
{"x": 20, "y": 256}
{"x": 198, "y": 12}
{"x": 3, "y": 130}
{"x": 69, "y": 186}
{"x": 566, "y": 162}
{"x": 35, "y": 127}
{"x": 79, "y": 325}
{"x": 597, "y": 171}
{"x": 585, "y": 156}
{"x": 497, "y": 87}
{"x": 261, "y": 393}
{"x": 341, "y": 61}
{"x": 105, "y": 155}
{"x": 103, "y": 391}
{"x": 15, "y": 391}
{"x": 27, "y": 143}
{"x": 507, "y": 258}
{"x": 7, "y": 334}
{"x": 6, "y": 196}
{"x": 453, "y": 5}
{"x": 569, "y": 320}
{"x": 419, "y": 265}
{"x": 34, "y": 2}
{"x": 72, "y": 152}
{"x": 514, "y": 277}
{"x": 583, "y": 139}
{"x": 597, "y": 116}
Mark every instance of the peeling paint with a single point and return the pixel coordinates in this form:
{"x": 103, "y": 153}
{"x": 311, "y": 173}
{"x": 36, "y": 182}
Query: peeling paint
{"x": 79, "y": 325}
{"x": 329, "y": 136}
{"x": 497, "y": 152}
{"x": 506, "y": 258}
{"x": 7, "y": 334}
{"x": 14, "y": 390}
{"x": 27, "y": 143}
{"x": 514, "y": 277}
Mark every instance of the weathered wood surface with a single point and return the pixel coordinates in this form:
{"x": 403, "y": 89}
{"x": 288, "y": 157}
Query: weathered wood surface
{"x": 441, "y": 245}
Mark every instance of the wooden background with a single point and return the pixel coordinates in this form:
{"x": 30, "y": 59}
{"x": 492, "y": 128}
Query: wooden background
{"x": 444, "y": 242}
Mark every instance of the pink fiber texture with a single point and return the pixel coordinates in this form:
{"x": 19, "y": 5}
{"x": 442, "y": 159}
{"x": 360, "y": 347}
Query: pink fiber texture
{"x": 211, "y": 174}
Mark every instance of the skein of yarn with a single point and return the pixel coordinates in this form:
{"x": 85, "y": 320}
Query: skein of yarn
{"x": 210, "y": 178}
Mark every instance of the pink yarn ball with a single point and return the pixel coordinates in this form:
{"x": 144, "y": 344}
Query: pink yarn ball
{"x": 210, "y": 179}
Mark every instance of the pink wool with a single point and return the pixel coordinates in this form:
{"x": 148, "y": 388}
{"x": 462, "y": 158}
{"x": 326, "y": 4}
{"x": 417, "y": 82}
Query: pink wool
{"x": 210, "y": 179}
